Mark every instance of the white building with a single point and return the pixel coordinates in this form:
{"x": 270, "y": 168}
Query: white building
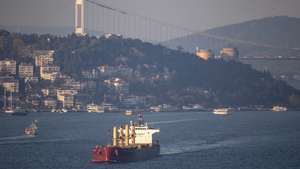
{"x": 61, "y": 93}
{"x": 25, "y": 70}
{"x": 44, "y": 57}
{"x": 8, "y": 67}
{"x": 49, "y": 72}
{"x": 10, "y": 84}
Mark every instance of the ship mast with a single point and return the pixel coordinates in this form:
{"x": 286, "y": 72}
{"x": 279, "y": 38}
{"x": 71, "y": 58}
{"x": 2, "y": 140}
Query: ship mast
{"x": 10, "y": 105}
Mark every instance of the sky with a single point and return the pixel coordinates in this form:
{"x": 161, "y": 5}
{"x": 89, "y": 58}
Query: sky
{"x": 193, "y": 14}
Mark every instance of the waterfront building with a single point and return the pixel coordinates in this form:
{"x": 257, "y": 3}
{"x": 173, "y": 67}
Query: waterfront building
{"x": 49, "y": 72}
{"x": 8, "y": 67}
{"x": 73, "y": 84}
{"x": 34, "y": 101}
{"x": 90, "y": 74}
{"x": 25, "y": 70}
{"x": 67, "y": 100}
{"x": 44, "y": 57}
{"x": 60, "y": 93}
{"x": 10, "y": 84}
{"x": 132, "y": 100}
{"x": 49, "y": 91}
{"x": 50, "y": 103}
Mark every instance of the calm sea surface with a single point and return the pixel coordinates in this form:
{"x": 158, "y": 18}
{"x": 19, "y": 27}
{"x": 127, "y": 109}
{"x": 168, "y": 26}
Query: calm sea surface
{"x": 198, "y": 140}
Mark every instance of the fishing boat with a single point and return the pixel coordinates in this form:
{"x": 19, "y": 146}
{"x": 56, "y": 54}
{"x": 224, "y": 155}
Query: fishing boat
{"x": 32, "y": 129}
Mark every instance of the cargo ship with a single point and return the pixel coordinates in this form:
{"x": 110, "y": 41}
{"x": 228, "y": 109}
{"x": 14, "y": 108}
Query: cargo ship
{"x": 130, "y": 143}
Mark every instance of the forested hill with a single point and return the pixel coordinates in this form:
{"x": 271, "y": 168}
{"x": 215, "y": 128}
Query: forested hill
{"x": 172, "y": 76}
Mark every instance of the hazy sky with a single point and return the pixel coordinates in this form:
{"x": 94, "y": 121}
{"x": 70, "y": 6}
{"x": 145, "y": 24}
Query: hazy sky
{"x": 194, "y": 14}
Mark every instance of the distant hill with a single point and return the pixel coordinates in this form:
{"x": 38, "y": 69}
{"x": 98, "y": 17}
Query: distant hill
{"x": 171, "y": 76}
{"x": 271, "y": 36}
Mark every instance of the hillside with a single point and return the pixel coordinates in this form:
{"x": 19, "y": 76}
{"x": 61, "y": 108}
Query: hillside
{"x": 167, "y": 75}
{"x": 271, "y": 36}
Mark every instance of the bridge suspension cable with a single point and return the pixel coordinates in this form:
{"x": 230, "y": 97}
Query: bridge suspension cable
{"x": 133, "y": 25}
{"x": 138, "y": 26}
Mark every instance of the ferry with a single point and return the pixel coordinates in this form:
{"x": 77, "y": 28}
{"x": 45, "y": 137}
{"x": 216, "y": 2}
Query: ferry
{"x": 222, "y": 111}
{"x": 32, "y": 129}
{"x": 279, "y": 109}
{"x": 93, "y": 108}
{"x": 131, "y": 142}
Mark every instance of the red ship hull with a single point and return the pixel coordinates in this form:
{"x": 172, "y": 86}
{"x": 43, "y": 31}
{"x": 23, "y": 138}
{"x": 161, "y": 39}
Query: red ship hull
{"x": 115, "y": 154}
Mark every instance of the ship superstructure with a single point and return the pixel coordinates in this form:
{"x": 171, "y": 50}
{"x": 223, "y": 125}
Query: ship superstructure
{"x": 132, "y": 142}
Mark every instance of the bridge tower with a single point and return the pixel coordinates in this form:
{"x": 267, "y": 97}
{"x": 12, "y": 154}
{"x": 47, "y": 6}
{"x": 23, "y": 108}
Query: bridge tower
{"x": 79, "y": 18}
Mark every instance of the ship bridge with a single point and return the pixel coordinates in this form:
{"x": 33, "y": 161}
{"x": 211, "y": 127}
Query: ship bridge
{"x": 143, "y": 134}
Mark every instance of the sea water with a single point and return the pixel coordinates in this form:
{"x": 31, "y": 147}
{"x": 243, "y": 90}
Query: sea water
{"x": 189, "y": 140}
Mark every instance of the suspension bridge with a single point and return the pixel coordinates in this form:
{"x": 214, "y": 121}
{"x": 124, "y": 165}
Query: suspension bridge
{"x": 97, "y": 18}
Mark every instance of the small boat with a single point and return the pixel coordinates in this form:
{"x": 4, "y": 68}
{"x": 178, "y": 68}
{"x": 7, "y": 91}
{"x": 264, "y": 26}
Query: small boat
{"x": 279, "y": 109}
{"x": 222, "y": 111}
{"x": 128, "y": 112}
{"x": 32, "y": 129}
{"x": 94, "y": 108}
{"x": 9, "y": 111}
